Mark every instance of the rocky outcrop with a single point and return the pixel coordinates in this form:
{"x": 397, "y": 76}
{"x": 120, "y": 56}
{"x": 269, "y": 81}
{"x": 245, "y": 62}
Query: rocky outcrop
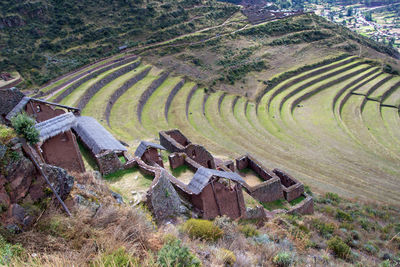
{"x": 59, "y": 179}
{"x": 22, "y": 188}
{"x": 164, "y": 201}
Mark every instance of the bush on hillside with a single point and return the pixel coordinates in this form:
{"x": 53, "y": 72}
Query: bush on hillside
{"x": 339, "y": 248}
{"x": 25, "y": 126}
{"x": 118, "y": 257}
{"x": 283, "y": 259}
{"x": 173, "y": 253}
{"x": 227, "y": 256}
{"x": 6, "y": 134}
{"x": 249, "y": 230}
{"x": 203, "y": 229}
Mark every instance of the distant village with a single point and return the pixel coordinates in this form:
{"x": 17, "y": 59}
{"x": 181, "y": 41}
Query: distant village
{"x": 374, "y": 22}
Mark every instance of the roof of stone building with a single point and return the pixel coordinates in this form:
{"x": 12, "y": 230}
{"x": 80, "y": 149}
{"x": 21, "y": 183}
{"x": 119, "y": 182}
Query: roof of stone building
{"x": 17, "y": 109}
{"x": 54, "y": 126}
{"x": 203, "y": 175}
{"x": 9, "y": 98}
{"x": 143, "y": 147}
{"x": 95, "y": 136}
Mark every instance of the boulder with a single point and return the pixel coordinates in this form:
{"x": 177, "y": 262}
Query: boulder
{"x": 19, "y": 175}
{"x": 59, "y": 179}
{"x": 164, "y": 201}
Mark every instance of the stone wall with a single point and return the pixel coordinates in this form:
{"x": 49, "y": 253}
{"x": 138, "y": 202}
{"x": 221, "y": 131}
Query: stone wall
{"x": 151, "y": 156}
{"x": 267, "y": 191}
{"x": 171, "y": 96}
{"x": 92, "y": 75}
{"x": 189, "y": 97}
{"x": 173, "y": 140}
{"x": 176, "y": 160}
{"x": 108, "y": 162}
{"x": 292, "y": 188}
{"x": 220, "y": 201}
{"x": 304, "y": 207}
{"x": 78, "y": 76}
{"x": 149, "y": 91}
{"x": 120, "y": 91}
{"x": 92, "y": 90}
{"x": 199, "y": 154}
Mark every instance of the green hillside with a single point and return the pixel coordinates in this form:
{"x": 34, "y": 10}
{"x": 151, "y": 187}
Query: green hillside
{"x": 44, "y": 39}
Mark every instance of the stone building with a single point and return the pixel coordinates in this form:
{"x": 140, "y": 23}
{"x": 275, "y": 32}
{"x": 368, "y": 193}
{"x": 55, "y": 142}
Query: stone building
{"x": 58, "y": 144}
{"x": 105, "y": 149}
{"x": 216, "y": 193}
{"x": 148, "y": 152}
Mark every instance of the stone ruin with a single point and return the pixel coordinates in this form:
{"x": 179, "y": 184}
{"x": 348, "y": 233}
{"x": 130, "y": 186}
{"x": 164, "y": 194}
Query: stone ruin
{"x": 216, "y": 186}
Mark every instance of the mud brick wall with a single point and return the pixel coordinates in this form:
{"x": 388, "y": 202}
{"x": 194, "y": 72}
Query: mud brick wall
{"x": 292, "y": 188}
{"x": 75, "y": 85}
{"x": 267, "y": 191}
{"x": 176, "y": 160}
{"x": 200, "y": 155}
{"x": 108, "y": 162}
{"x": 304, "y": 207}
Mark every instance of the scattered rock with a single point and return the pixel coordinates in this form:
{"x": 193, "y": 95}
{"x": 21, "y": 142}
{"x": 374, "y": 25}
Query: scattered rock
{"x": 3, "y": 150}
{"x": 117, "y": 197}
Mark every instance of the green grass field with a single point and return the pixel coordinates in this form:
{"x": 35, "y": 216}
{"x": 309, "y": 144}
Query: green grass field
{"x": 335, "y": 127}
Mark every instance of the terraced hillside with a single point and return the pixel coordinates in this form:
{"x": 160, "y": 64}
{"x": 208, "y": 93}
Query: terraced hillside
{"x": 334, "y": 124}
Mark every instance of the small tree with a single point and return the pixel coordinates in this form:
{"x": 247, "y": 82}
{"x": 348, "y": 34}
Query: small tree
{"x": 25, "y": 126}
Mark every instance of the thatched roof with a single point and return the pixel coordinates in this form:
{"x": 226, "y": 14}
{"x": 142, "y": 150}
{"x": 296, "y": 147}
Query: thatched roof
{"x": 203, "y": 175}
{"x": 95, "y": 136}
{"x": 18, "y": 108}
{"x": 143, "y": 147}
{"x": 55, "y": 126}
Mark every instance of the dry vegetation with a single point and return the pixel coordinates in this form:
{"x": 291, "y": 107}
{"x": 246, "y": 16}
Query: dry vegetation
{"x": 340, "y": 233}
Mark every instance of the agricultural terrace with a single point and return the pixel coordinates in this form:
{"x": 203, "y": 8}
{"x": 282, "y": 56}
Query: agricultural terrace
{"x": 334, "y": 125}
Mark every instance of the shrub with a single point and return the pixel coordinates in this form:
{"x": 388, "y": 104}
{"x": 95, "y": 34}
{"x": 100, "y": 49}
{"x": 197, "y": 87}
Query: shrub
{"x": 324, "y": 229}
{"x": 9, "y": 252}
{"x": 6, "y": 134}
{"x": 227, "y": 256}
{"x": 332, "y": 197}
{"x": 203, "y": 229}
{"x": 175, "y": 254}
{"x": 249, "y": 230}
{"x": 25, "y": 126}
{"x": 118, "y": 257}
{"x": 283, "y": 259}
{"x": 343, "y": 216}
{"x": 339, "y": 248}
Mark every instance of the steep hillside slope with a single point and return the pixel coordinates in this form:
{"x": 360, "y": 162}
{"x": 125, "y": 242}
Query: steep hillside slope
{"x": 46, "y": 38}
